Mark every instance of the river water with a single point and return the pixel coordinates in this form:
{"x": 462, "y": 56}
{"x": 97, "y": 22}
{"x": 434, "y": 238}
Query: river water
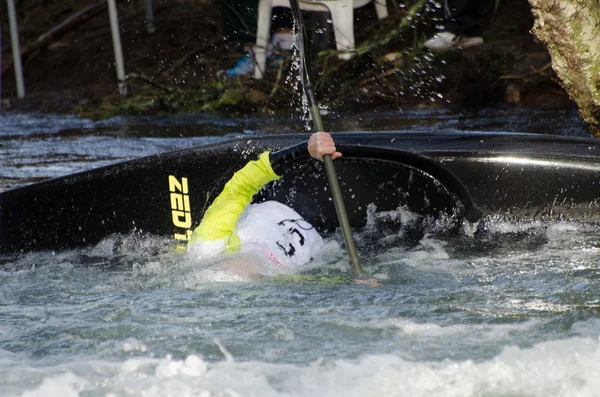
{"x": 513, "y": 311}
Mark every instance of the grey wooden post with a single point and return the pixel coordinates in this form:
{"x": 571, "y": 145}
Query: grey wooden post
{"x": 149, "y": 17}
{"x": 16, "y": 49}
{"x": 116, "y": 38}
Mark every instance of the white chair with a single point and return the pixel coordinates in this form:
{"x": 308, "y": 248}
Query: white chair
{"x": 342, "y": 16}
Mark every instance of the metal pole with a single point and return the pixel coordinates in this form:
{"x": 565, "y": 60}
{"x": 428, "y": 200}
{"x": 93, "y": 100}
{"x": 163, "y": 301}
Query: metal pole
{"x": 16, "y": 49}
{"x": 116, "y": 38}
{"x": 149, "y": 17}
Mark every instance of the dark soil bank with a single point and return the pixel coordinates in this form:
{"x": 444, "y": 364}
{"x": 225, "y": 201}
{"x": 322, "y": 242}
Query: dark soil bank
{"x": 175, "y": 69}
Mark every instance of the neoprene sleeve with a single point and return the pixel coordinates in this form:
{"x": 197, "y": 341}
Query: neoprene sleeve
{"x": 283, "y": 159}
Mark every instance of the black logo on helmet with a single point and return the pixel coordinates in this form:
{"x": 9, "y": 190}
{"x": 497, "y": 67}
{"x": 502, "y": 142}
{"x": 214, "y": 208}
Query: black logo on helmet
{"x": 291, "y": 250}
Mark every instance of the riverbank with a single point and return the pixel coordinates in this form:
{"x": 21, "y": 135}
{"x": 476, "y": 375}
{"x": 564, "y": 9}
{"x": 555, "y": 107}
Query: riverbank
{"x": 175, "y": 69}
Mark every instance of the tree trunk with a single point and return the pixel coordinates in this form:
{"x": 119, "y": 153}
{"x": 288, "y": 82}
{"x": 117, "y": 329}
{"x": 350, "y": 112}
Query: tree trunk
{"x": 570, "y": 29}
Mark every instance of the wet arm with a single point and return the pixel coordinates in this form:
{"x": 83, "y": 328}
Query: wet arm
{"x": 222, "y": 215}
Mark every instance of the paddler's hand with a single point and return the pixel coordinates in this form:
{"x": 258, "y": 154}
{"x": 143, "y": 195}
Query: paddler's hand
{"x": 320, "y": 144}
{"x": 371, "y": 282}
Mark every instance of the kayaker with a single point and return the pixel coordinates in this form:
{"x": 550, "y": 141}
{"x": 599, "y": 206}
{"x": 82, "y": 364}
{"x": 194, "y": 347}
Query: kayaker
{"x": 270, "y": 231}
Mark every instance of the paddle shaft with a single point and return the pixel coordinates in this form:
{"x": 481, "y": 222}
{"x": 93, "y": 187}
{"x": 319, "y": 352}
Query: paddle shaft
{"x": 315, "y": 113}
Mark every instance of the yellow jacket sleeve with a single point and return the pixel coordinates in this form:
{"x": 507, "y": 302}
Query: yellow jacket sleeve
{"x": 221, "y": 217}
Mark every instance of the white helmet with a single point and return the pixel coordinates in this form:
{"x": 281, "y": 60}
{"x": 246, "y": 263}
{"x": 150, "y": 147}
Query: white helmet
{"x": 279, "y": 232}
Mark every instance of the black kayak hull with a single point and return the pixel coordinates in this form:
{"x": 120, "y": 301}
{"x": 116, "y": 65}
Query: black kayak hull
{"x": 464, "y": 176}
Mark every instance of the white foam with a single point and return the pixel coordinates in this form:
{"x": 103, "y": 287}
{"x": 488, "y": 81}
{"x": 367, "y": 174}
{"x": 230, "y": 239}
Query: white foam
{"x": 64, "y": 385}
{"x": 192, "y": 366}
{"x": 132, "y": 344}
{"x": 563, "y": 368}
{"x": 428, "y": 248}
{"x": 451, "y": 332}
{"x": 502, "y": 227}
